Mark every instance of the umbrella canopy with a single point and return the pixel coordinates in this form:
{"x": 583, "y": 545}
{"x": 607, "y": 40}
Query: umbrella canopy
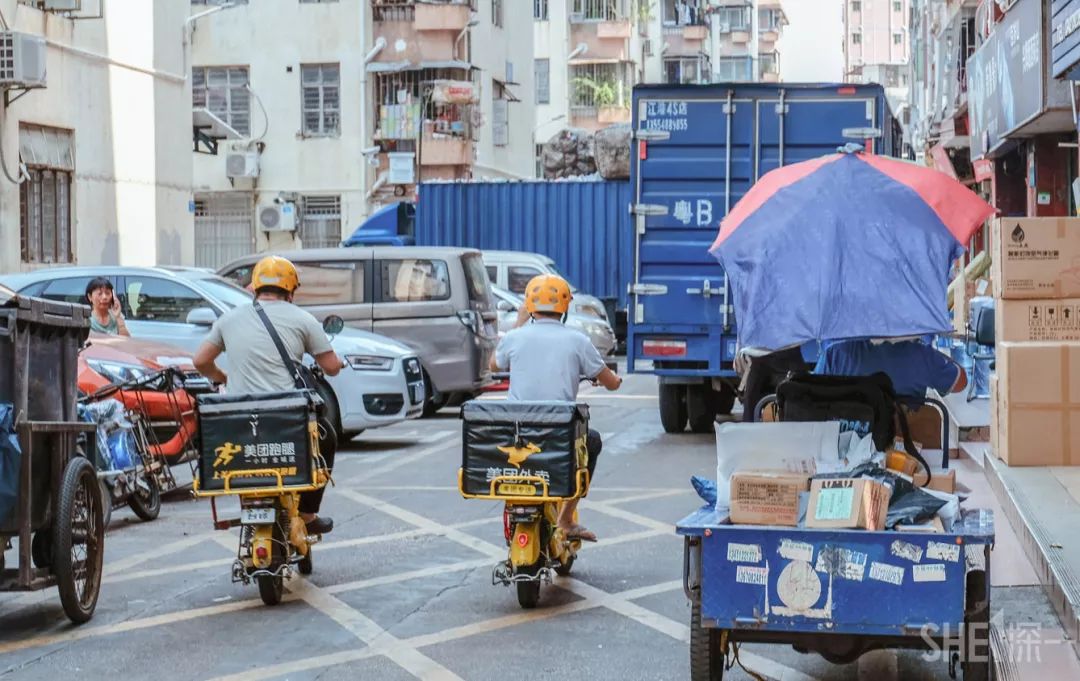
{"x": 845, "y": 246}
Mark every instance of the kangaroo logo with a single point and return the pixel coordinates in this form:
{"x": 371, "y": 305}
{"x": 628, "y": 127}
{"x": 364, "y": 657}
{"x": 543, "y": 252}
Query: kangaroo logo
{"x": 1018, "y": 234}
{"x": 254, "y": 422}
{"x": 225, "y": 454}
{"x": 517, "y": 455}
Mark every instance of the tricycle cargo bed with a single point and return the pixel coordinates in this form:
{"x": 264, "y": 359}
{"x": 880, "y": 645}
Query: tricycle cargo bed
{"x": 790, "y": 579}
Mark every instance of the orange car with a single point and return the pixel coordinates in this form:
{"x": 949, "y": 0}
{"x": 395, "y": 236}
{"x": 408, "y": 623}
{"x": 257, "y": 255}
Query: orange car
{"x": 170, "y": 409}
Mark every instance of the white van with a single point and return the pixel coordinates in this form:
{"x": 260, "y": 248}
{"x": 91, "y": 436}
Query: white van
{"x": 512, "y": 271}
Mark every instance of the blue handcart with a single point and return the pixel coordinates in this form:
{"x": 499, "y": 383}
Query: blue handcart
{"x": 838, "y": 593}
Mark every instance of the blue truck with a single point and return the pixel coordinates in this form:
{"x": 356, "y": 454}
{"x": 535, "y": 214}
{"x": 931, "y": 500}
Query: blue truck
{"x": 698, "y": 150}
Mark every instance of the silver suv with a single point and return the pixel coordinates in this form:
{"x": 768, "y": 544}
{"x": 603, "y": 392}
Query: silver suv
{"x": 434, "y": 300}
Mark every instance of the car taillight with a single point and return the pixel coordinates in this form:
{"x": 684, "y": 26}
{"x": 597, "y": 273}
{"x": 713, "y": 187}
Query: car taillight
{"x": 664, "y": 348}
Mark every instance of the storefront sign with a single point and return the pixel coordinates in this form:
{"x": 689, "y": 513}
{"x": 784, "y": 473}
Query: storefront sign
{"x": 1006, "y": 79}
{"x": 1065, "y": 38}
{"x": 984, "y": 169}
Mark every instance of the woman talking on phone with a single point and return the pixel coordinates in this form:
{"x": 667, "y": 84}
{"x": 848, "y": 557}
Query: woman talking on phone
{"x": 105, "y": 314}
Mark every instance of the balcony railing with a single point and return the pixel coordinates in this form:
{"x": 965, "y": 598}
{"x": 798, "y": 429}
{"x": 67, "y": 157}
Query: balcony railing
{"x": 405, "y": 10}
{"x": 598, "y": 10}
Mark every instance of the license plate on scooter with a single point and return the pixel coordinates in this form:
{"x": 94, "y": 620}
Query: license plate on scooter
{"x": 256, "y": 516}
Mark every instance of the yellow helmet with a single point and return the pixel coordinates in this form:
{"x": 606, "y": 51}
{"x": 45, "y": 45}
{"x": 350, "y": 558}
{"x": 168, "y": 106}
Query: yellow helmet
{"x": 273, "y": 270}
{"x": 547, "y": 293}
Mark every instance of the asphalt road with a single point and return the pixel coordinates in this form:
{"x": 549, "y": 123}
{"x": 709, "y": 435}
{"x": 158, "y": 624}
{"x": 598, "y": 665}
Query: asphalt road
{"x": 402, "y": 587}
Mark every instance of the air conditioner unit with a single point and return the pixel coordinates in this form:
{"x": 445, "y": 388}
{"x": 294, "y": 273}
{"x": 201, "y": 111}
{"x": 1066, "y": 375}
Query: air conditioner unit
{"x": 22, "y": 60}
{"x": 277, "y": 217}
{"x": 242, "y": 164}
{"x": 61, "y": 5}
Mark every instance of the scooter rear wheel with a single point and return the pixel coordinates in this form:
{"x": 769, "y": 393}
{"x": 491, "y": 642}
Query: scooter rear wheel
{"x": 528, "y": 593}
{"x": 304, "y": 565}
{"x": 271, "y": 589}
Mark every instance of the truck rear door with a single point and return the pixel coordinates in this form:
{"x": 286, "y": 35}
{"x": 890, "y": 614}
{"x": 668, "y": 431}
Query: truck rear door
{"x": 699, "y": 150}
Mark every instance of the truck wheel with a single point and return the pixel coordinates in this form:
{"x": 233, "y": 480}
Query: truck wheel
{"x": 700, "y": 408}
{"x": 673, "y": 407}
{"x": 706, "y": 657}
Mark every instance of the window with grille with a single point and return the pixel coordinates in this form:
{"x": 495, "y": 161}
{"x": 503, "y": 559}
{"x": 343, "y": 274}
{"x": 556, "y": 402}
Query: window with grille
{"x": 320, "y": 226}
{"x": 497, "y": 13}
{"x": 769, "y": 62}
{"x": 538, "y": 151}
{"x": 684, "y": 12}
{"x": 598, "y": 10}
{"x": 856, "y": 38}
{"x": 540, "y": 10}
{"x": 734, "y": 69}
{"x": 398, "y": 106}
{"x": 320, "y": 90}
{"x": 685, "y": 71}
{"x": 856, "y": 5}
{"x": 733, "y": 18}
{"x": 897, "y": 39}
{"x": 45, "y": 197}
{"x": 898, "y": 6}
{"x": 223, "y": 90}
{"x": 599, "y": 85}
{"x": 542, "y": 76}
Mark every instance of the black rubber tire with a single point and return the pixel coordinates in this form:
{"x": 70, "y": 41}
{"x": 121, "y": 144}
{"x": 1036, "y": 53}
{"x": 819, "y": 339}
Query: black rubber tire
{"x": 673, "y": 407}
{"x": 724, "y": 400}
{"x": 149, "y": 507}
{"x": 332, "y": 412}
{"x": 305, "y": 566}
{"x": 271, "y": 589}
{"x": 106, "y": 503}
{"x": 433, "y": 401}
{"x": 78, "y": 521}
{"x": 41, "y": 549}
{"x": 700, "y": 408}
{"x": 706, "y": 657}
{"x": 977, "y": 623}
{"x": 564, "y": 569}
{"x": 528, "y": 594}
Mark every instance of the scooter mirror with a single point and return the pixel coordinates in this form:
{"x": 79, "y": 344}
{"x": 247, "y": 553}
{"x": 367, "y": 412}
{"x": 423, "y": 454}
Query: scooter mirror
{"x": 333, "y": 325}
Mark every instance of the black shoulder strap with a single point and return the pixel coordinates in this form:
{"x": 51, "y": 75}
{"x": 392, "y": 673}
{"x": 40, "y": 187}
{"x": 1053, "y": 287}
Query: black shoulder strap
{"x": 290, "y": 364}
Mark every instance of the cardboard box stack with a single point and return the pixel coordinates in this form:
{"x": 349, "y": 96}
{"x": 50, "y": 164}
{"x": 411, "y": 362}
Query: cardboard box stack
{"x": 1035, "y": 397}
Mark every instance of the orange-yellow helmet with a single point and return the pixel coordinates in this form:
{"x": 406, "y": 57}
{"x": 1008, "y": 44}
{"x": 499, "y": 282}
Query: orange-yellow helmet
{"x": 273, "y": 270}
{"x": 547, "y": 293}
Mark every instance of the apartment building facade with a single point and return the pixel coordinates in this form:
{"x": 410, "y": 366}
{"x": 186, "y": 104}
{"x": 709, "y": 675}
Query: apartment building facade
{"x": 590, "y": 53}
{"x": 877, "y": 48}
{"x": 94, "y": 170}
{"x": 321, "y": 112}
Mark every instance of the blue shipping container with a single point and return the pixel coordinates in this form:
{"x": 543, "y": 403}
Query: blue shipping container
{"x": 584, "y": 227}
{"x": 700, "y": 149}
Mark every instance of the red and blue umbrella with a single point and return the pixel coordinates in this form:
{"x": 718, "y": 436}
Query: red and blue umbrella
{"x": 849, "y": 245}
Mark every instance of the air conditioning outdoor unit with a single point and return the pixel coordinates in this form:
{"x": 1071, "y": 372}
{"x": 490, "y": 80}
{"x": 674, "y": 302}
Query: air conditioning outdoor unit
{"x": 22, "y": 60}
{"x": 61, "y": 5}
{"x": 277, "y": 217}
{"x": 242, "y": 164}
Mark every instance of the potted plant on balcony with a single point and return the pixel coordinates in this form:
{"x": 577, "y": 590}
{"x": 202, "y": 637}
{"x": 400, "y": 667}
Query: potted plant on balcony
{"x": 609, "y": 98}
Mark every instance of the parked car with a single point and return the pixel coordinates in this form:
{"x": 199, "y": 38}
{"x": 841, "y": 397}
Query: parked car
{"x": 434, "y": 300}
{"x": 179, "y": 305}
{"x": 512, "y": 270}
{"x": 598, "y": 330}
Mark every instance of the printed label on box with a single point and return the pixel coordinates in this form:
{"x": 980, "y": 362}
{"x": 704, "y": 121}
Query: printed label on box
{"x": 744, "y": 553}
{"x": 936, "y": 550}
{"x": 796, "y": 550}
{"x": 835, "y": 503}
{"x": 906, "y": 550}
{"x": 883, "y": 572}
{"x": 934, "y": 572}
{"x": 746, "y": 574}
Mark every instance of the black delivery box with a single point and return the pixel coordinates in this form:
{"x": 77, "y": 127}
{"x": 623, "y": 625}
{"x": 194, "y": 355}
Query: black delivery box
{"x": 255, "y": 431}
{"x": 542, "y": 439}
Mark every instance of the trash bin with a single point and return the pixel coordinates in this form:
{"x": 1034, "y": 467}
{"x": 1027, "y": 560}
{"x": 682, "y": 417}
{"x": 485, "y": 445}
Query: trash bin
{"x": 39, "y": 354}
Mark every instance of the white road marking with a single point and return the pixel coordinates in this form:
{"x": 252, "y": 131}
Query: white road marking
{"x": 364, "y": 628}
{"x": 400, "y": 461}
{"x": 623, "y": 514}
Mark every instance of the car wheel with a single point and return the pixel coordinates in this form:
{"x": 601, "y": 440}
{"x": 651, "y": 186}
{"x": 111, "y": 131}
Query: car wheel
{"x": 333, "y": 412}
{"x": 433, "y": 399}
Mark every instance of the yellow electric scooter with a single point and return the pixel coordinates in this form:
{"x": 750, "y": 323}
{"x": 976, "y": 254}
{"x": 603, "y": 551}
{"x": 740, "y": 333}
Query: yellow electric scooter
{"x": 533, "y": 457}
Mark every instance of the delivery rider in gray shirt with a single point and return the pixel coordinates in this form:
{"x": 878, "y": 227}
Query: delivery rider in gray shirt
{"x": 547, "y": 361}
{"x": 255, "y": 364}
